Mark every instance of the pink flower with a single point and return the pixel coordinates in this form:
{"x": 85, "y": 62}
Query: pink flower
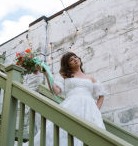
{"x": 17, "y": 54}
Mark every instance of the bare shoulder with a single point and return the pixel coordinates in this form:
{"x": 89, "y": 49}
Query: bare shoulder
{"x": 91, "y": 78}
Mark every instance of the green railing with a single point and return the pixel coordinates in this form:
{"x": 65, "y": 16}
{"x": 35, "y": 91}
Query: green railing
{"x": 120, "y": 132}
{"x": 16, "y": 94}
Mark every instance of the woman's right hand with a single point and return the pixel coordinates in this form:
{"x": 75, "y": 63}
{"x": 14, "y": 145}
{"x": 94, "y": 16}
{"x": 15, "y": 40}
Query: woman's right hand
{"x": 40, "y": 68}
{"x": 56, "y": 89}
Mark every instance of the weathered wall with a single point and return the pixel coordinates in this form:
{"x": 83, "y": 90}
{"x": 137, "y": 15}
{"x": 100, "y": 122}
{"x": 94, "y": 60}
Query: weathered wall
{"x": 106, "y": 40}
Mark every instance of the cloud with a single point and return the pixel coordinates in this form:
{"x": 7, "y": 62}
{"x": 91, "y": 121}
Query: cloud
{"x": 11, "y": 29}
{"x": 8, "y": 7}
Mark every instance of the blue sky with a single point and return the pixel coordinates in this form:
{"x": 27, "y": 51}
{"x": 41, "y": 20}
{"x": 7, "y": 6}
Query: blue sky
{"x": 16, "y": 15}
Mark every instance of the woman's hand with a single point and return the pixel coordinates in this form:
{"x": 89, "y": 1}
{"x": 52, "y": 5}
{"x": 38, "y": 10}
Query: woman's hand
{"x": 40, "y": 68}
{"x": 100, "y": 101}
{"x": 56, "y": 89}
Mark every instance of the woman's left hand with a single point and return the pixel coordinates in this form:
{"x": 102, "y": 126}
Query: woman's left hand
{"x": 100, "y": 101}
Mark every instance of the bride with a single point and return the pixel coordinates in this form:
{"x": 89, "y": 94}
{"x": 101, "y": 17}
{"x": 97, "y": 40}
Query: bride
{"x": 83, "y": 97}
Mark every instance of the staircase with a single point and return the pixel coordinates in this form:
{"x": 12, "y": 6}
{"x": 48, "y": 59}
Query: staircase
{"x": 15, "y": 94}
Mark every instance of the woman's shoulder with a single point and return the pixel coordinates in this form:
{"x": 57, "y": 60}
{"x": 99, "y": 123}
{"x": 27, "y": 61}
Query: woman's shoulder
{"x": 91, "y": 78}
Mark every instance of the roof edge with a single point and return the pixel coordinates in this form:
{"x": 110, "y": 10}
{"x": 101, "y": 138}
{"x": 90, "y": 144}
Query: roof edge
{"x": 66, "y": 9}
{"x": 56, "y": 14}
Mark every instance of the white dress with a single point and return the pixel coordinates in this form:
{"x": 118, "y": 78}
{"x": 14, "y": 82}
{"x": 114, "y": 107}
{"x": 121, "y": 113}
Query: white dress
{"x": 80, "y": 95}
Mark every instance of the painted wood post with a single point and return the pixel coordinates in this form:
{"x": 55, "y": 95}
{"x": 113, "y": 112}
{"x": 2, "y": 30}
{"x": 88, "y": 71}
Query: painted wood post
{"x": 9, "y": 111}
{"x": 2, "y": 68}
{"x": 2, "y": 59}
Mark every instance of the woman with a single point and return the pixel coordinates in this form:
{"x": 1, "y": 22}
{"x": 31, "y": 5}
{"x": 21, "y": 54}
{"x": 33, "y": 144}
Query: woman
{"x": 80, "y": 91}
{"x": 71, "y": 70}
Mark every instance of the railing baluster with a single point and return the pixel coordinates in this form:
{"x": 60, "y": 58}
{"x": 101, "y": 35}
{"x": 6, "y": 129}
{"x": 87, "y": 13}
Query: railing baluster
{"x": 70, "y": 140}
{"x": 31, "y": 127}
{"x": 43, "y": 132}
{"x": 21, "y": 124}
{"x": 56, "y": 135}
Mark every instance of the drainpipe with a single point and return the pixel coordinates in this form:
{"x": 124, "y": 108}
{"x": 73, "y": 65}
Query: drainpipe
{"x": 2, "y": 59}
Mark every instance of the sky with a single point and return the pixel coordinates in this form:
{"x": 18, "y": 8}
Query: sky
{"x": 16, "y": 15}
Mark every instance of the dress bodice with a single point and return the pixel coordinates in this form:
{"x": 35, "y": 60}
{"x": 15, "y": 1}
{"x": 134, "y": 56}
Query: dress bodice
{"x": 81, "y": 86}
{"x": 78, "y": 86}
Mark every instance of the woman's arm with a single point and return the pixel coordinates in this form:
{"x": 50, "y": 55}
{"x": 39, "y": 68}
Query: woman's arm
{"x": 101, "y": 98}
{"x": 54, "y": 87}
{"x": 100, "y": 101}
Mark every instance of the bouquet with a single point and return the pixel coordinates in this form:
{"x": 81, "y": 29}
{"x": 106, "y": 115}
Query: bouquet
{"x": 32, "y": 64}
{"x": 25, "y": 59}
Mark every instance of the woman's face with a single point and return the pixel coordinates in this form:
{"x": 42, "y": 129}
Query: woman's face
{"x": 74, "y": 61}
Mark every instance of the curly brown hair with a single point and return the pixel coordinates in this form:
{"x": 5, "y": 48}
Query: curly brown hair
{"x": 65, "y": 70}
